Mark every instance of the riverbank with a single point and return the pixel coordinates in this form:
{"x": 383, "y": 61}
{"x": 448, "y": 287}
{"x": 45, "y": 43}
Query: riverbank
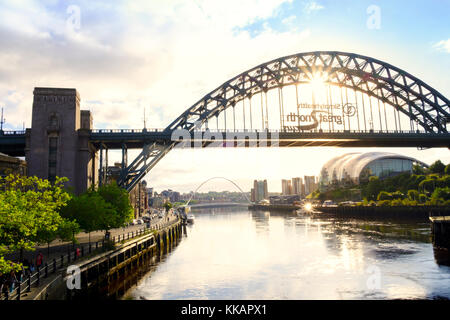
{"x": 273, "y": 207}
{"x": 416, "y": 212}
{"x": 217, "y": 205}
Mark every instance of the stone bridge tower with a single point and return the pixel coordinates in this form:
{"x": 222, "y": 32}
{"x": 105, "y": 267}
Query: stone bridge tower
{"x": 58, "y": 142}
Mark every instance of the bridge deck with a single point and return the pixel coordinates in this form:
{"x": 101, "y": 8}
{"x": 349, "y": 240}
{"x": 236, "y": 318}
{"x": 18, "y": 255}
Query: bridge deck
{"x": 13, "y": 143}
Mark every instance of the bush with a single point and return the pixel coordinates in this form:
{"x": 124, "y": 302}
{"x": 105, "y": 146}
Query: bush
{"x": 397, "y": 195}
{"x": 413, "y": 195}
{"x": 383, "y": 195}
{"x": 441, "y": 193}
{"x": 384, "y": 203}
{"x": 396, "y": 202}
{"x": 423, "y": 198}
{"x": 447, "y": 169}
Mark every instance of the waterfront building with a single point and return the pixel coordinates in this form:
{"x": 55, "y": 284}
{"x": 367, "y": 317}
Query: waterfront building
{"x": 259, "y": 191}
{"x": 138, "y": 199}
{"x": 356, "y": 168}
{"x": 284, "y": 199}
{"x": 12, "y": 165}
{"x": 172, "y": 196}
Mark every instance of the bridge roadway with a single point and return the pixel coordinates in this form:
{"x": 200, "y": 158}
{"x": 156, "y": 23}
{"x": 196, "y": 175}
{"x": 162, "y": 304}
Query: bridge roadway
{"x": 13, "y": 142}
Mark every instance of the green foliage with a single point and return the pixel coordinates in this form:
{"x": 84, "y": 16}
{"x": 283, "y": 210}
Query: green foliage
{"x": 168, "y": 205}
{"x": 29, "y": 214}
{"x": 427, "y": 185}
{"x": 179, "y": 203}
{"x": 447, "y": 169}
{"x": 441, "y": 193}
{"x": 122, "y": 211}
{"x": 423, "y": 198}
{"x": 102, "y": 209}
{"x": 383, "y": 195}
{"x": 396, "y": 202}
{"x": 373, "y": 188}
{"x": 397, "y": 195}
{"x": 384, "y": 203}
{"x": 437, "y": 167}
{"x": 88, "y": 209}
{"x": 68, "y": 230}
{"x": 418, "y": 169}
{"x": 413, "y": 195}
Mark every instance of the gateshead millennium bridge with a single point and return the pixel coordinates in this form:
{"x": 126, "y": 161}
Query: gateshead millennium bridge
{"x": 322, "y": 98}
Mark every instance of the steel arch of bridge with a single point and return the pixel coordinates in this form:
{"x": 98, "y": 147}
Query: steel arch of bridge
{"x": 410, "y": 95}
{"x": 385, "y": 82}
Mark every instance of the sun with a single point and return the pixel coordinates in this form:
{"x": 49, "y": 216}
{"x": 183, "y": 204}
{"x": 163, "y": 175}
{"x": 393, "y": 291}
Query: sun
{"x": 318, "y": 85}
{"x": 318, "y": 81}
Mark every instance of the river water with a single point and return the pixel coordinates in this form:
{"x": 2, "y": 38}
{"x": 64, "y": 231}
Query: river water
{"x": 239, "y": 254}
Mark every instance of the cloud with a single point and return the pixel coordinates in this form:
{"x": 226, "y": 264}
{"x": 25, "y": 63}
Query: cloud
{"x": 312, "y": 6}
{"x": 443, "y": 45}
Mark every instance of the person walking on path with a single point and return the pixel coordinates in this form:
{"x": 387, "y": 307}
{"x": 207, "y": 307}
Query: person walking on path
{"x": 39, "y": 259}
{"x": 12, "y": 280}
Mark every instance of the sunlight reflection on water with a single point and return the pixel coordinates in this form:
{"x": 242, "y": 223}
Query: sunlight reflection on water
{"x": 237, "y": 254}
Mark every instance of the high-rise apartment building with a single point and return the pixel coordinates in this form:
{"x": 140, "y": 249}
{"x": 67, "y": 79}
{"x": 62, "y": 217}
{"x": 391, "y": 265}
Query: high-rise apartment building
{"x": 259, "y": 191}
{"x": 297, "y": 186}
{"x": 310, "y": 184}
{"x": 286, "y": 187}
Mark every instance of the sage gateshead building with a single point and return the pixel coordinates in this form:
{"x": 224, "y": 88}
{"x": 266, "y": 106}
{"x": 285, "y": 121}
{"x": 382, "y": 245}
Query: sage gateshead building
{"x": 356, "y": 168}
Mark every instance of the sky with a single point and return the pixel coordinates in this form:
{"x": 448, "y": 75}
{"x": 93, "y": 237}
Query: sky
{"x": 124, "y": 56}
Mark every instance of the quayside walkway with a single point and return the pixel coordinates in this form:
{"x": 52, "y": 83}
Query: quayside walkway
{"x": 63, "y": 255}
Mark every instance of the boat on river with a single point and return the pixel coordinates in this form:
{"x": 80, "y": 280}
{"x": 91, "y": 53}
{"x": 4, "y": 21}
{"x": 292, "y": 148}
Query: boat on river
{"x": 190, "y": 218}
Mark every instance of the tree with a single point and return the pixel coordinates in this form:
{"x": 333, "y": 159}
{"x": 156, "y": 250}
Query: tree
{"x": 437, "y": 167}
{"x": 29, "y": 213}
{"x": 66, "y": 231}
{"x": 447, "y": 169}
{"x": 441, "y": 193}
{"x": 397, "y": 195}
{"x": 87, "y": 210}
{"x": 167, "y": 206}
{"x": 373, "y": 187}
{"x": 383, "y": 195}
{"x": 427, "y": 185}
{"x": 121, "y": 210}
{"x": 418, "y": 169}
{"x": 423, "y": 198}
{"x": 413, "y": 195}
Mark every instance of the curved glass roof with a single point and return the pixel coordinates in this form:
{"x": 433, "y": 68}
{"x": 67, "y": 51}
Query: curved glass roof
{"x": 350, "y": 165}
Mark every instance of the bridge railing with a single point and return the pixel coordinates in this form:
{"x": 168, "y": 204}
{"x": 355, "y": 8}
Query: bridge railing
{"x": 127, "y": 130}
{"x": 12, "y": 132}
{"x": 327, "y": 131}
{"x": 153, "y": 130}
{"x": 273, "y": 131}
